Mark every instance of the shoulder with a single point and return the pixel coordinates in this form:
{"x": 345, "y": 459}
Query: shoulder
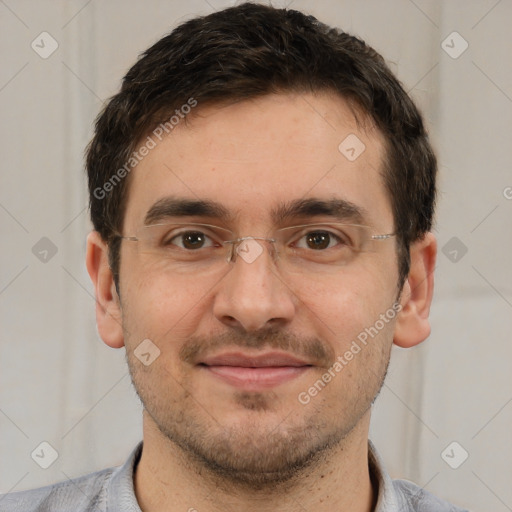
{"x": 402, "y": 495}
{"x": 83, "y": 494}
{"x": 415, "y": 499}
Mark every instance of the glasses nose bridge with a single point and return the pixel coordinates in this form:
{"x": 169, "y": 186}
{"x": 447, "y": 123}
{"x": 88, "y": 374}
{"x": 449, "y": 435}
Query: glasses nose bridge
{"x": 250, "y": 252}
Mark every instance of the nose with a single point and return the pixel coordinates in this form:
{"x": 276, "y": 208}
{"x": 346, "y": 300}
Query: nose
{"x": 254, "y": 295}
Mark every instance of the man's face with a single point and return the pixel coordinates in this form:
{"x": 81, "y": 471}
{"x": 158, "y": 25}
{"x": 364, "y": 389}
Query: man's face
{"x": 210, "y": 325}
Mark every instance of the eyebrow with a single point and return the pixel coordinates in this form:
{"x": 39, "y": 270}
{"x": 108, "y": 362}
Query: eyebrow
{"x": 337, "y": 208}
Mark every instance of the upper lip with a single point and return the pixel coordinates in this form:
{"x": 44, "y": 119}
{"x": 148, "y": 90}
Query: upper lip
{"x": 267, "y": 359}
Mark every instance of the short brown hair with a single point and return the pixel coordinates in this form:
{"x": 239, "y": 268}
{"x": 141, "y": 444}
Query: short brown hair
{"x": 248, "y": 51}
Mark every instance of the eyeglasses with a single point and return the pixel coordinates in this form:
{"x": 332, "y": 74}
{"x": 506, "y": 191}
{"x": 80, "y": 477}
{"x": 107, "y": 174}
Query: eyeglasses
{"x": 196, "y": 248}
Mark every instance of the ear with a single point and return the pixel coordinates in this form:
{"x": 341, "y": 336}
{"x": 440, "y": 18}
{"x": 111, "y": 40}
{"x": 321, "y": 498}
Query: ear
{"x": 108, "y": 306}
{"x": 413, "y": 326}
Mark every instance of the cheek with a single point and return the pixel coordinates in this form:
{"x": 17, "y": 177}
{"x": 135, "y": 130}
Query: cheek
{"x": 160, "y": 308}
{"x": 349, "y": 306}
{"x": 358, "y": 293}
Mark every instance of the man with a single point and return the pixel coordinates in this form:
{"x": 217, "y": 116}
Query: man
{"x": 262, "y": 192}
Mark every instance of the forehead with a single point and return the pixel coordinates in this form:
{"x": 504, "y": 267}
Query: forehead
{"x": 256, "y": 157}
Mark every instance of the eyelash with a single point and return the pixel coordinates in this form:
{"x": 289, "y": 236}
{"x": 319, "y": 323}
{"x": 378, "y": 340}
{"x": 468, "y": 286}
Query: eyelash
{"x": 334, "y": 236}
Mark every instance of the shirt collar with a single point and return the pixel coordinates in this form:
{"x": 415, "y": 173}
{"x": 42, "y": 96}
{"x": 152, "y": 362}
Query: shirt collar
{"x": 121, "y": 492}
{"x": 386, "y": 496}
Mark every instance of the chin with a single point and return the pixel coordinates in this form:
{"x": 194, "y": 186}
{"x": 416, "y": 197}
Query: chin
{"x": 254, "y": 449}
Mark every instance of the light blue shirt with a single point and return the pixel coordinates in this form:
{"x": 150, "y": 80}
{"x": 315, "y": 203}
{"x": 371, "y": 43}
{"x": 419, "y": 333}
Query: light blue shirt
{"x": 111, "y": 490}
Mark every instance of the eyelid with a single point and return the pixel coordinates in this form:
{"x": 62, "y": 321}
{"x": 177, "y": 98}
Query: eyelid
{"x": 326, "y": 225}
{"x": 185, "y": 226}
{"x": 320, "y": 228}
{"x": 210, "y": 231}
{"x": 332, "y": 228}
{"x": 182, "y": 227}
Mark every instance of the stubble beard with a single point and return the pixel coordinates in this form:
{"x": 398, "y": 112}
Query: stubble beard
{"x": 255, "y": 455}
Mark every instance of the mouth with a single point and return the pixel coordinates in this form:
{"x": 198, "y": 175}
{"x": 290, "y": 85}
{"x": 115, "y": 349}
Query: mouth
{"x": 254, "y": 372}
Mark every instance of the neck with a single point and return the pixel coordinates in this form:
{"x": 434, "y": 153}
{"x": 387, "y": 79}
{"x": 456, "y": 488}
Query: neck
{"x": 167, "y": 478}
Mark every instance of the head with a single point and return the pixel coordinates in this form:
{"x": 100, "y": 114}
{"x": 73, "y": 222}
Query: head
{"x": 247, "y": 107}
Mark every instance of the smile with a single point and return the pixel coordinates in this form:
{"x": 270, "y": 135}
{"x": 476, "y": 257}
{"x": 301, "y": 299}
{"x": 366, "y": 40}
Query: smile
{"x": 254, "y": 373}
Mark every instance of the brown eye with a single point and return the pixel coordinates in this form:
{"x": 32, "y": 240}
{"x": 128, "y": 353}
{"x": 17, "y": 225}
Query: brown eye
{"x": 318, "y": 240}
{"x": 193, "y": 240}
{"x": 321, "y": 239}
{"x": 190, "y": 240}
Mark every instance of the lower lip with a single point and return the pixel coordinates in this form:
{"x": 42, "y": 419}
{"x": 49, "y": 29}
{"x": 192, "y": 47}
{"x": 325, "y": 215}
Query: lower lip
{"x": 252, "y": 379}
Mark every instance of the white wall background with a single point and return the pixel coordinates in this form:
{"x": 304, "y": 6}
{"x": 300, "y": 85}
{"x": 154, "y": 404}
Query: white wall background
{"x": 59, "y": 383}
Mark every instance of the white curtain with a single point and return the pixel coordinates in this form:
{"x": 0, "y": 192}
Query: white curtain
{"x": 61, "y": 385}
